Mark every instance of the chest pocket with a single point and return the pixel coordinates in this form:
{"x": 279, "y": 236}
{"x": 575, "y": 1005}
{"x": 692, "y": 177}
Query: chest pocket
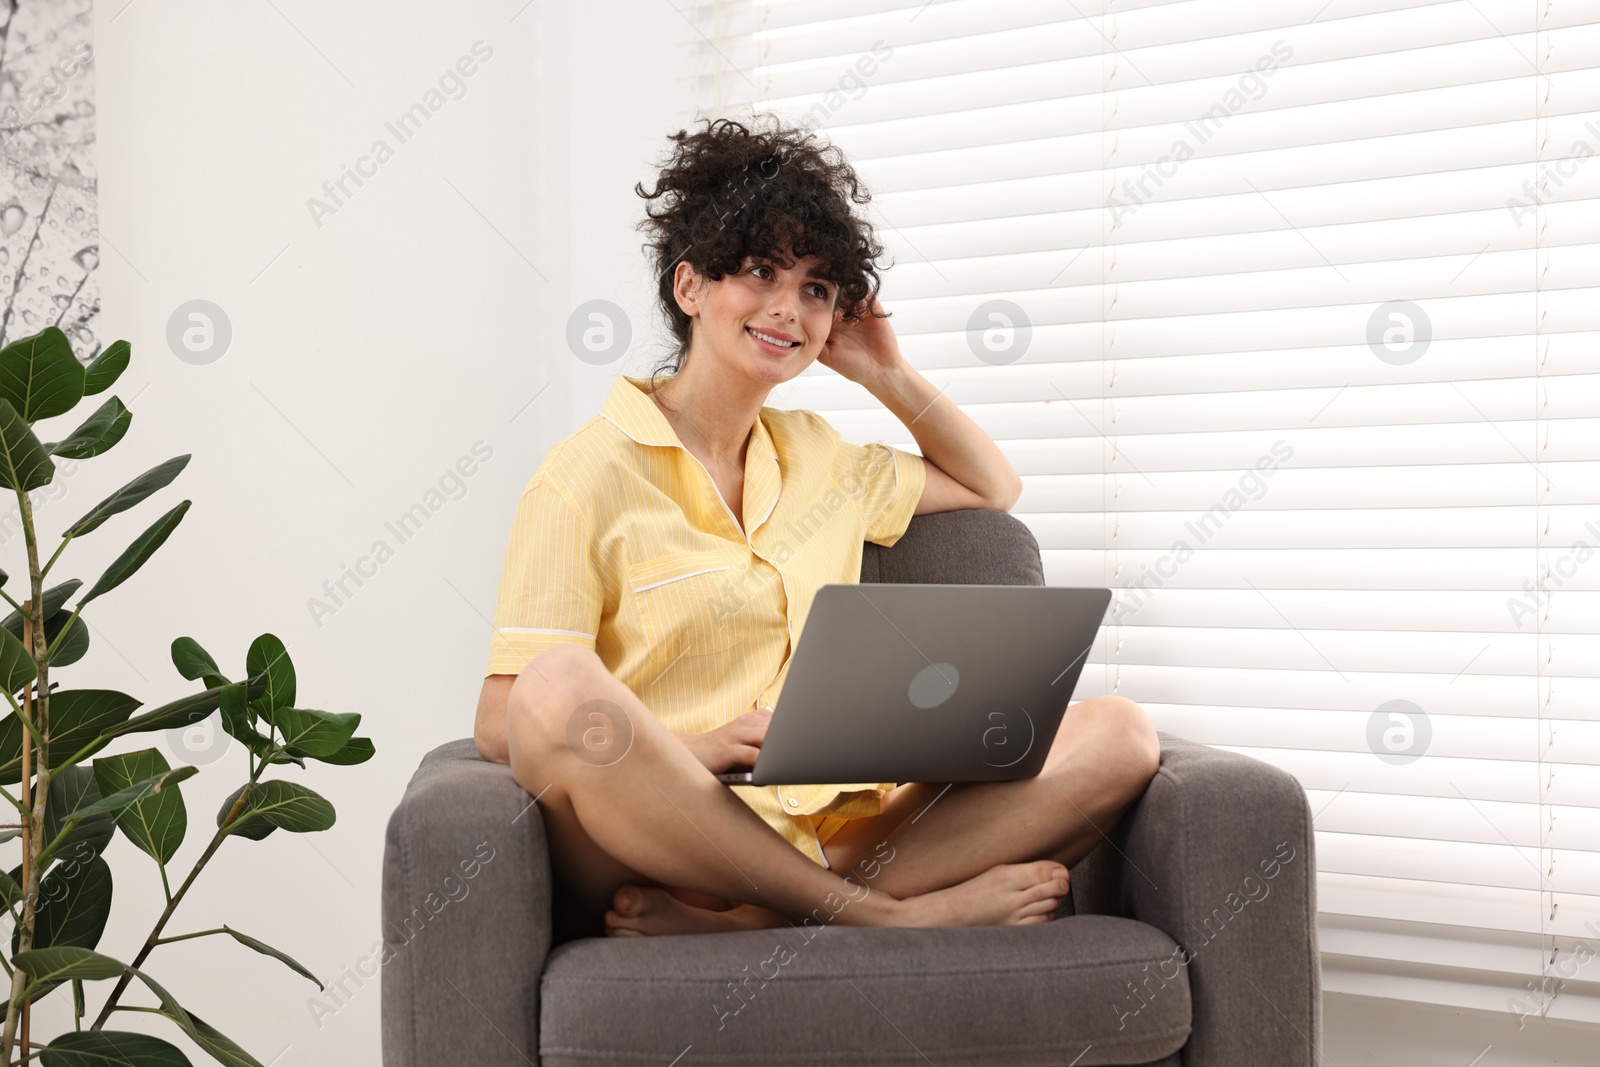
{"x": 687, "y": 604}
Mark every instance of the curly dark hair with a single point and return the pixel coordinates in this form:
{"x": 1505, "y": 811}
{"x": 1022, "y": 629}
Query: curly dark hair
{"x": 730, "y": 191}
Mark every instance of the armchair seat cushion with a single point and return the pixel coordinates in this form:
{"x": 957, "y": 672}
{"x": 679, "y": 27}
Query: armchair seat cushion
{"x": 1021, "y": 995}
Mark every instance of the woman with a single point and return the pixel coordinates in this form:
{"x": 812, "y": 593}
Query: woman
{"x": 663, "y": 559}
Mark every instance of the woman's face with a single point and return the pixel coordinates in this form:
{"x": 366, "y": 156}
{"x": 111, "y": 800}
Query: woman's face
{"x": 770, "y": 320}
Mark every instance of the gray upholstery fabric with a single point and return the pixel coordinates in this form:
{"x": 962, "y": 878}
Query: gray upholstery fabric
{"x": 978, "y": 547}
{"x": 1173, "y": 958}
{"x": 1021, "y": 995}
{"x": 462, "y": 956}
{"x": 1188, "y": 859}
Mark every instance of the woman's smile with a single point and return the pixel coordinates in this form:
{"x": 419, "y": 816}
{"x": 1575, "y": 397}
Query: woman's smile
{"x": 773, "y": 341}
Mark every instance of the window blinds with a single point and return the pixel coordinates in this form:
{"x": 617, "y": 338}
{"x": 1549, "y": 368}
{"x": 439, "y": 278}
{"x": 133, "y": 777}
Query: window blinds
{"x": 1287, "y": 314}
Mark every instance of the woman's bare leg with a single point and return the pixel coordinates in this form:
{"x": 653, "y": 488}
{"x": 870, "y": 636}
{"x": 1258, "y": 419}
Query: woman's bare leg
{"x": 1101, "y": 760}
{"x": 1103, "y": 757}
{"x": 584, "y": 742}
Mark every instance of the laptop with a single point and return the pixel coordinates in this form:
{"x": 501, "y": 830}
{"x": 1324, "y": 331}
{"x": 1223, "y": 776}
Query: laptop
{"x": 900, "y": 682}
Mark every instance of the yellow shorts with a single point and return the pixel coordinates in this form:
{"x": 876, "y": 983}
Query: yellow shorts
{"x": 826, "y": 826}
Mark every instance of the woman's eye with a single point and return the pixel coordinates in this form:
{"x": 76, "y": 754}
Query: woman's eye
{"x": 821, "y": 290}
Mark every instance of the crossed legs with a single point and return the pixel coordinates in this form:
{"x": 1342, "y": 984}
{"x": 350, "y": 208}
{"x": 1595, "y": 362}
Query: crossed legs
{"x": 645, "y": 826}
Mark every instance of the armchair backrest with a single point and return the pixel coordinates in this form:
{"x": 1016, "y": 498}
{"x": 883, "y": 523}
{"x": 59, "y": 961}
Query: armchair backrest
{"x": 977, "y": 546}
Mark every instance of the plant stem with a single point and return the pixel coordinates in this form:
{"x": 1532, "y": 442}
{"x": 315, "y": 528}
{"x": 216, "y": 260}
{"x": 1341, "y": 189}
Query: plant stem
{"x": 62, "y": 636}
{"x": 14, "y": 801}
{"x": 185, "y": 937}
{"x": 38, "y": 738}
{"x": 172, "y": 905}
{"x": 34, "y": 631}
{"x": 65, "y": 541}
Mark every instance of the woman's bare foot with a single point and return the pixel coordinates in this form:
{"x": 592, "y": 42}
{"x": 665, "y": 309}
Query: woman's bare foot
{"x": 642, "y": 911}
{"x": 1011, "y": 894}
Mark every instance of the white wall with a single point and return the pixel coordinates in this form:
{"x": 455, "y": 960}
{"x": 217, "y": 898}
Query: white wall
{"x": 366, "y": 359}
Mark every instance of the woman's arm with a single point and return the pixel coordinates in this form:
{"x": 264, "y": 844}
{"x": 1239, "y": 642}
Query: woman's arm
{"x": 966, "y": 469}
{"x": 489, "y": 728}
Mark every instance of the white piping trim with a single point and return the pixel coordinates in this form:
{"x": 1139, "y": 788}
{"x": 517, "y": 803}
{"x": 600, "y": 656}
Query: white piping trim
{"x": 680, "y": 577}
{"x": 532, "y": 630}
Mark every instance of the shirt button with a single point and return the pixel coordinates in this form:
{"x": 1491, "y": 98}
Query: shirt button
{"x": 793, "y": 803}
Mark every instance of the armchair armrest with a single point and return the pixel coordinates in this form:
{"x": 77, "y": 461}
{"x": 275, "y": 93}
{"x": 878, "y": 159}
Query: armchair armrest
{"x": 1219, "y": 854}
{"x": 466, "y": 915}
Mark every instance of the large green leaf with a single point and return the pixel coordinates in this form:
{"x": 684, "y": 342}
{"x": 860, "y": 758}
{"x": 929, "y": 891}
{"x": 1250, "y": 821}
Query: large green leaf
{"x": 11, "y": 751}
{"x": 24, "y": 464}
{"x": 185, "y": 711}
{"x": 52, "y": 965}
{"x": 267, "y": 950}
{"x": 62, "y": 962}
{"x": 255, "y": 829}
{"x": 96, "y": 434}
{"x": 77, "y": 717}
{"x": 267, "y": 655}
{"x": 110, "y": 1048}
{"x": 10, "y": 891}
{"x": 134, "y": 555}
{"x": 51, "y": 600}
{"x": 76, "y": 643}
{"x": 74, "y": 904}
{"x": 237, "y": 722}
{"x": 220, "y": 1047}
{"x": 157, "y": 823}
{"x": 72, "y": 788}
{"x": 17, "y": 668}
{"x": 286, "y": 805}
{"x": 40, "y": 376}
{"x": 356, "y": 750}
{"x": 194, "y": 662}
{"x": 118, "y": 801}
{"x": 314, "y": 733}
{"x": 105, "y": 368}
{"x": 74, "y": 646}
{"x": 156, "y": 477}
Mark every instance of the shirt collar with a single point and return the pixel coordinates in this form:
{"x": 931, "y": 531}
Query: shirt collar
{"x": 635, "y": 414}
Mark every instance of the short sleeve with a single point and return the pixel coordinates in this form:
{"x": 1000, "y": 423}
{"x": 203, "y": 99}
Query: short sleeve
{"x": 550, "y": 591}
{"x": 886, "y": 483}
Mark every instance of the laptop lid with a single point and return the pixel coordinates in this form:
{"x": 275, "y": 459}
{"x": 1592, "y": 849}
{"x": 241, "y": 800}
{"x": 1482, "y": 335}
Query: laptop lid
{"x": 901, "y": 682}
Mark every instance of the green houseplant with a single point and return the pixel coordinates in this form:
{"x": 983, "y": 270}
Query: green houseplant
{"x": 69, "y": 805}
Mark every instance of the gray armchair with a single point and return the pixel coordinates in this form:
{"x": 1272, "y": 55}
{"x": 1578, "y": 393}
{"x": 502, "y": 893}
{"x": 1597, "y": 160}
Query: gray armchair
{"x": 1189, "y": 937}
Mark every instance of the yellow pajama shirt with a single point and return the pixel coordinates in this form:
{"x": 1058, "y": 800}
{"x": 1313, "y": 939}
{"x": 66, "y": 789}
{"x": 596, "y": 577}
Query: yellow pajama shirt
{"x": 622, "y": 543}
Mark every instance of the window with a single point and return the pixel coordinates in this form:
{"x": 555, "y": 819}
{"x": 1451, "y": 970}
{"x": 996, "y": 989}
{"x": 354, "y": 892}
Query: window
{"x": 1288, "y": 315}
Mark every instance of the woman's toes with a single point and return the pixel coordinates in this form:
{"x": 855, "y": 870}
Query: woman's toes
{"x": 619, "y": 925}
{"x": 1043, "y": 879}
{"x": 1046, "y": 906}
{"x": 1042, "y": 872}
{"x": 628, "y": 900}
